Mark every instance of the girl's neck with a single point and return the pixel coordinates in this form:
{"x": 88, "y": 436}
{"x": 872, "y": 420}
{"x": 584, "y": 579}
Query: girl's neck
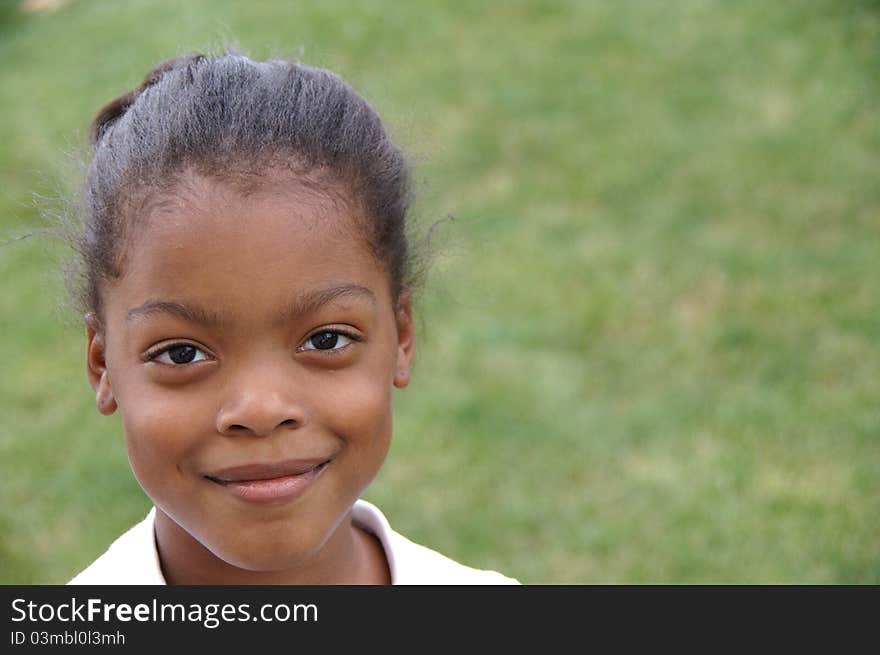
{"x": 350, "y": 556}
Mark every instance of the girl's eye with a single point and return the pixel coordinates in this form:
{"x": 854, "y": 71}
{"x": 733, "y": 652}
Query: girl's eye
{"x": 182, "y": 353}
{"x": 327, "y": 340}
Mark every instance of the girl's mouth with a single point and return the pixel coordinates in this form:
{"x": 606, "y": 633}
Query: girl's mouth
{"x": 270, "y": 483}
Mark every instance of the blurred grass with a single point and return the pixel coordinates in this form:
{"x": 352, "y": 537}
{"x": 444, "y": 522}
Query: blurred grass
{"x": 651, "y": 342}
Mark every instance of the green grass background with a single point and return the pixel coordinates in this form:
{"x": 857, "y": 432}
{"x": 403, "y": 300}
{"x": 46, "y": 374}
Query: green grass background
{"x": 650, "y": 349}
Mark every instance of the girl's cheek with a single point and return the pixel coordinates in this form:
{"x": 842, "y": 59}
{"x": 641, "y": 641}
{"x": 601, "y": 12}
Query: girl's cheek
{"x": 361, "y": 409}
{"x": 155, "y": 431}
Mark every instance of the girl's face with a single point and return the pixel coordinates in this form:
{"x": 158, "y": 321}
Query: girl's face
{"x": 251, "y": 346}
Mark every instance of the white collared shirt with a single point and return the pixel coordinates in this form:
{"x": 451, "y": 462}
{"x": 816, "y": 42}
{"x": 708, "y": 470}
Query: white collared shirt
{"x": 134, "y": 560}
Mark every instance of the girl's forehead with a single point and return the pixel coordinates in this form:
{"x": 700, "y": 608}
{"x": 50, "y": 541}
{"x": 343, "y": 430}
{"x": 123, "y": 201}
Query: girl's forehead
{"x": 202, "y": 215}
{"x": 238, "y": 202}
{"x": 217, "y": 242}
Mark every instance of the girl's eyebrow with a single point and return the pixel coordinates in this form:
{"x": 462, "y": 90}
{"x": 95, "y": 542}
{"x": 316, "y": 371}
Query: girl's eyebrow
{"x": 311, "y": 301}
{"x": 305, "y": 303}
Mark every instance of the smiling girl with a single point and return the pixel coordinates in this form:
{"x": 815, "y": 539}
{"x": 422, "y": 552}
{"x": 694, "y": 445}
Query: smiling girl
{"x": 247, "y": 298}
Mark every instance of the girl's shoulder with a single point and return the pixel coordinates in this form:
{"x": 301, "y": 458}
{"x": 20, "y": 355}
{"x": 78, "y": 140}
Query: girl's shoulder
{"x": 413, "y": 564}
{"x": 131, "y": 559}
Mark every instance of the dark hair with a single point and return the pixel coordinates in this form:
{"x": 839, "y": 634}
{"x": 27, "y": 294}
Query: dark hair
{"x": 229, "y": 117}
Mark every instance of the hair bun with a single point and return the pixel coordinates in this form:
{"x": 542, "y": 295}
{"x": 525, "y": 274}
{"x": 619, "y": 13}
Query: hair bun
{"x": 113, "y": 110}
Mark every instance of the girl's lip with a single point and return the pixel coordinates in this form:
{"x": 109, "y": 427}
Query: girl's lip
{"x": 266, "y": 483}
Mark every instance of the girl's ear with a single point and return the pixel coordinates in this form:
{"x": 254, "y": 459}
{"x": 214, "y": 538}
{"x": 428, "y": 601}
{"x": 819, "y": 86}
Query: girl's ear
{"x": 406, "y": 339}
{"x": 96, "y": 366}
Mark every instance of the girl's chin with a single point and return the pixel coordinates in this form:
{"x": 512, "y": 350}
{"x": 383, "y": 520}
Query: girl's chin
{"x": 264, "y": 556}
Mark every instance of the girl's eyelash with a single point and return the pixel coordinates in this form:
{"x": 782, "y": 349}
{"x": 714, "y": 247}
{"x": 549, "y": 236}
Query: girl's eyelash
{"x": 156, "y": 351}
{"x": 348, "y": 334}
{"x": 345, "y": 333}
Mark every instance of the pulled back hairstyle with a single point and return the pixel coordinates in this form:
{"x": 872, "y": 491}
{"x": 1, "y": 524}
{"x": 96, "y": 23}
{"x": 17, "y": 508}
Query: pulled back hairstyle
{"x": 232, "y": 118}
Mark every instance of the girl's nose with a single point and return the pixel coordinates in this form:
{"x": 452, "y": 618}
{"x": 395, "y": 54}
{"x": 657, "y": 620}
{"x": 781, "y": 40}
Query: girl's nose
{"x": 260, "y": 408}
